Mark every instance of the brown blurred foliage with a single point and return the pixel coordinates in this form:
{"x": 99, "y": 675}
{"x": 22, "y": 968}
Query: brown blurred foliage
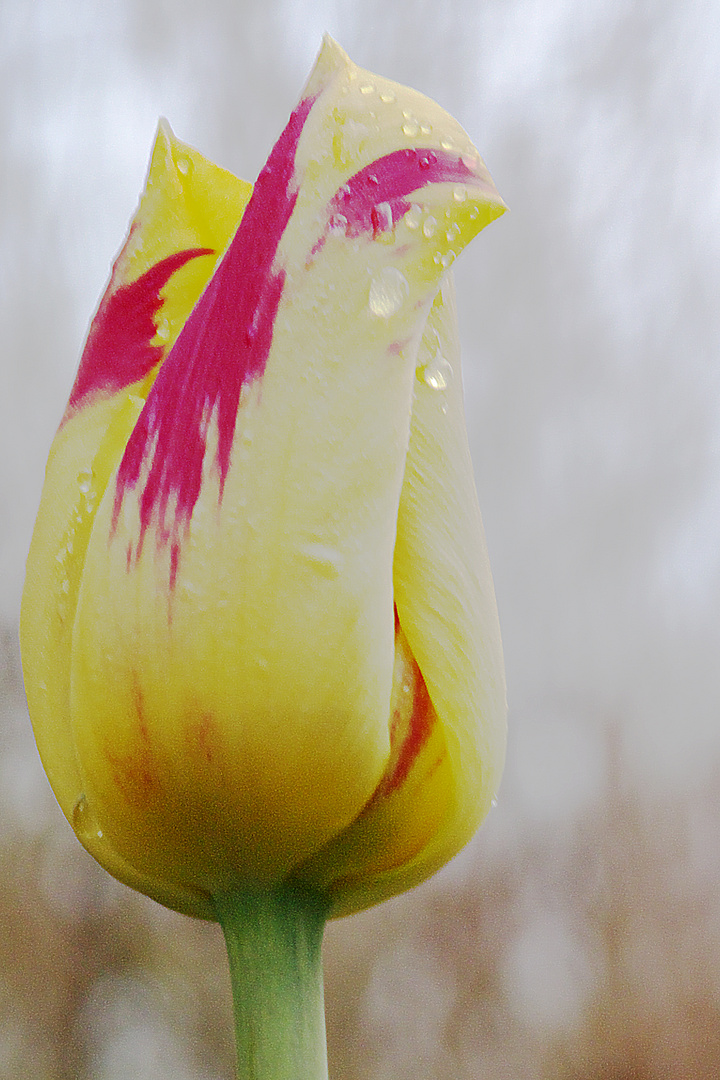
{"x": 589, "y": 954}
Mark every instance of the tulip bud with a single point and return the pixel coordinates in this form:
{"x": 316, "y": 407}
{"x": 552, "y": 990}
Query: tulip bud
{"x": 259, "y": 631}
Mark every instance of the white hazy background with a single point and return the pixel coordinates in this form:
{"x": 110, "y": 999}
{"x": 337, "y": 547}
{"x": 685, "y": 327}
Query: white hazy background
{"x": 590, "y": 319}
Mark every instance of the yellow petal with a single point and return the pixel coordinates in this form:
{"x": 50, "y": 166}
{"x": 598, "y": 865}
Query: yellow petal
{"x": 189, "y": 210}
{"x": 188, "y": 205}
{"x": 237, "y": 594}
{"x": 448, "y": 618}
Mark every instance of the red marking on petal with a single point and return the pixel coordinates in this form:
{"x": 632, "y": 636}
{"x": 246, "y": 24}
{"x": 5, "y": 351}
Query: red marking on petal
{"x": 135, "y": 773}
{"x": 223, "y": 346}
{"x": 118, "y": 350}
{"x": 375, "y": 198}
{"x": 201, "y": 738}
{"x": 417, "y": 734}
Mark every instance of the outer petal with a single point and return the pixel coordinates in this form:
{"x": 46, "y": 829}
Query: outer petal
{"x": 445, "y": 595}
{"x": 450, "y": 738}
{"x": 189, "y": 207}
{"x": 235, "y": 627}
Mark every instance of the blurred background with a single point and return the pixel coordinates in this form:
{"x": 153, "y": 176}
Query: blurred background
{"x": 578, "y": 936}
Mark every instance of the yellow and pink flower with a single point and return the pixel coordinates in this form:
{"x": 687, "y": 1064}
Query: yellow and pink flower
{"x": 259, "y": 630}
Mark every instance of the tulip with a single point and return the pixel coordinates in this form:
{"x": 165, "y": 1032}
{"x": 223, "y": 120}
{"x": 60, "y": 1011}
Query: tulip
{"x": 259, "y": 633}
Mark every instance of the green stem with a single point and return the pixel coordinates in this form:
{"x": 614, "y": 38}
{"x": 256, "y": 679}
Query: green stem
{"x": 274, "y": 937}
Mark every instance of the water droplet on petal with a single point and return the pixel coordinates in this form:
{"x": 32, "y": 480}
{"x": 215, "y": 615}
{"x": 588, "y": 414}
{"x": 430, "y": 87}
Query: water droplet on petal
{"x": 327, "y": 560}
{"x": 162, "y": 330}
{"x": 474, "y": 212}
{"x": 84, "y": 821}
{"x": 429, "y": 227}
{"x": 411, "y": 128}
{"x": 413, "y": 216}
{"x": 337, "y": 223}
{"x": 427, "y": 160}
{"x": 382, "y": 217}
{"x": 387, "y": 97}
{"x": 425, "y": 129}
{"x": 446, "y": 144}
{"x": 460, "y": 194}
{"x": 448, "y": 259}
{"x": 452, "y": 232}
{"x": 438, "y": 373}
{"x": 388, "y": 291}
{"x": 367, "y": 88}
{"x": 85, "y": 479}
{"x": 183, "y": 166}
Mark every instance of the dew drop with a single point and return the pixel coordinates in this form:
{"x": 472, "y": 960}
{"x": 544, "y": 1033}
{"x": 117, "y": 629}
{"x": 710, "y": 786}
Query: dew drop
{"x": 460, "y": 194}
{"x": 425, "y": 129}
{"x": 367, "y": 88}
{"x": 388, "y": 290}
{"x": 493, "y": 803}
{"x": 413, "y": 216}
{"x": 327, "y": 560}
{"x": 183, "y": 166}
{"x": 427, "y": 160}
{"x": 382, "y": 217}
{"x": 446, "y": 144}
{"x": 438, "y": 373}
{"x": 448, "y": 259}
{"x": 386, "y": 97}
{"x": 84, "y": 821}
{"x": 474, "y": 212}
{"x": 452, "y": 232}
{"x": 411, "y": 128}
{"x": 470, "y": 162}
{"x": 85, "y": 479}
{"x": 162, "y": 330}
{"x": 337, "y": 223}
{"x": 429, "y": 227}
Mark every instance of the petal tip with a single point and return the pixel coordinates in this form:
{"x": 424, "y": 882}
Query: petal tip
{"x": 330, "y": 61}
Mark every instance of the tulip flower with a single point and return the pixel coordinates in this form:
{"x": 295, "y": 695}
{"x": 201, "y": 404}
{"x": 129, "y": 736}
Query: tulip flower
{"x": 259, "y": 632}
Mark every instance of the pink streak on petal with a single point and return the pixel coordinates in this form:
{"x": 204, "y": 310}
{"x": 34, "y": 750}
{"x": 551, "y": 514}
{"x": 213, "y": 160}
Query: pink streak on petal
{"x": 118, "y": 350}
{"x": 223, "y": 346}
{"x": 387, "y": 181}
